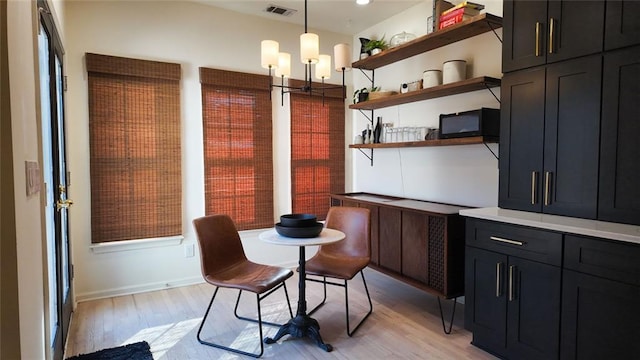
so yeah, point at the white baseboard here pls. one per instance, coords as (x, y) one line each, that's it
(128, 290)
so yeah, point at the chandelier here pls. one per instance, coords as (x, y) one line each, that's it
(272, 58)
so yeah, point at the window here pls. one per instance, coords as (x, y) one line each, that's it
(134, 125)
(317, 149)
(238, 153)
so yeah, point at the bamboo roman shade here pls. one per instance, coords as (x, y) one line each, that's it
(238, 153)
(134, 125)
(317, 149)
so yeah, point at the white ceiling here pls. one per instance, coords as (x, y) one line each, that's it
(341, 16)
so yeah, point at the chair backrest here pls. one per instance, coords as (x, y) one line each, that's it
(220, 244)
(355, 223)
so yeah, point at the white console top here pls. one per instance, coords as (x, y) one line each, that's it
(600, 229)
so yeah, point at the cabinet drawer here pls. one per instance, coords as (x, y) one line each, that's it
(605, 258)
(528, 243)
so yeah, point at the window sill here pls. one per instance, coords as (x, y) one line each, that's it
(126, 245)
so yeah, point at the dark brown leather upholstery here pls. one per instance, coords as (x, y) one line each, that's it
(225, 265)
(224, 262)
(344, 259)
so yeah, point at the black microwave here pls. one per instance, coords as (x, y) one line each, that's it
(482, 122)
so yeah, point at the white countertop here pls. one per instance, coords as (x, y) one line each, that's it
(595, 228)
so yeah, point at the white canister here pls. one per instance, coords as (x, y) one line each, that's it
(431, 78)
(454, 70)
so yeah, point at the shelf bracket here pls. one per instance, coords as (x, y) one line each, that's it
(492, 93)
(370, 78)
(370, 157)
(494, 154)
(494, 31)
(370, 118)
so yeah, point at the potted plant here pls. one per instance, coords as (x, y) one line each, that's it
(376, 46)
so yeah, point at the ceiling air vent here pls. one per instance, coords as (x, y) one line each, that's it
(280, 10)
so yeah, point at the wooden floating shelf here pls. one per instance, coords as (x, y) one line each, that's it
(458, 87)
(440, 142)
(466, 29)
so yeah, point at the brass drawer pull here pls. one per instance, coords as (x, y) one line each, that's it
(551, 26)
(534, 176)
(547, 185)
(498, 275)
(511, 286)
(513, 242)
(538, 39)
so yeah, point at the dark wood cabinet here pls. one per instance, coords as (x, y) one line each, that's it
(600, 318)
(540, 32)
(418, 242)
(415, 233)
(375, 232)
(550, 131)
(601, 288)
(622, 27)
(521, 139)
(512, 292)
(390, 224)
(571, 137)
(485, 300)
(619, 197)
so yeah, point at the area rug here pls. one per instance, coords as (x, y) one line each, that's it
(135, 351)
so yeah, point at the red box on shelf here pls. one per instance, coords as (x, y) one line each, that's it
(455, 16)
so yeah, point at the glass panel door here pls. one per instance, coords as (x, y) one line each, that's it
(59, 275)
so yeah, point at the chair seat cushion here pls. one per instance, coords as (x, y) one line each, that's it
(335, 266)
(249, 276)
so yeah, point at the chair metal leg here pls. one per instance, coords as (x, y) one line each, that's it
(346, 300)
(286, 293)
(453, 313)
(324, 284)
(259, 298)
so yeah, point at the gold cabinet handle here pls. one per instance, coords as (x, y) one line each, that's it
(508, 241)
(511, 286)
(551, 28)
(65, 204)
(534, 176)
(498, 276)
(547, 186)
(538, 26)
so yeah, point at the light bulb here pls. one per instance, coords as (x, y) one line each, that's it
(323, 68)
(284, 65)
(309, 48)
(342, 56)
(269, 53)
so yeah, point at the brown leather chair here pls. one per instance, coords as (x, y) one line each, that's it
(344, 259)
(224, 264)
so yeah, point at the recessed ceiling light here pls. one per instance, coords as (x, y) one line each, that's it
(362, 2)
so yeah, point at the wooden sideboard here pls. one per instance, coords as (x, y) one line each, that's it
(420, 243)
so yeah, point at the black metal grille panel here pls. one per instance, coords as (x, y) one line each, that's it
(436, 253)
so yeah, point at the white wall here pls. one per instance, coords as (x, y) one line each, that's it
(462, 175)
(194, 36)
(21, 35)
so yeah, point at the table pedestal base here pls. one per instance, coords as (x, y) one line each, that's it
(300, 326)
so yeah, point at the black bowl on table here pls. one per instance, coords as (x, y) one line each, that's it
(298, 220)
(299, 231)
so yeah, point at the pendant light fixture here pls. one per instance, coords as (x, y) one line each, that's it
(272, 58)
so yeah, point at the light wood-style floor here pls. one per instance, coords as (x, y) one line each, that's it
(405, 323)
